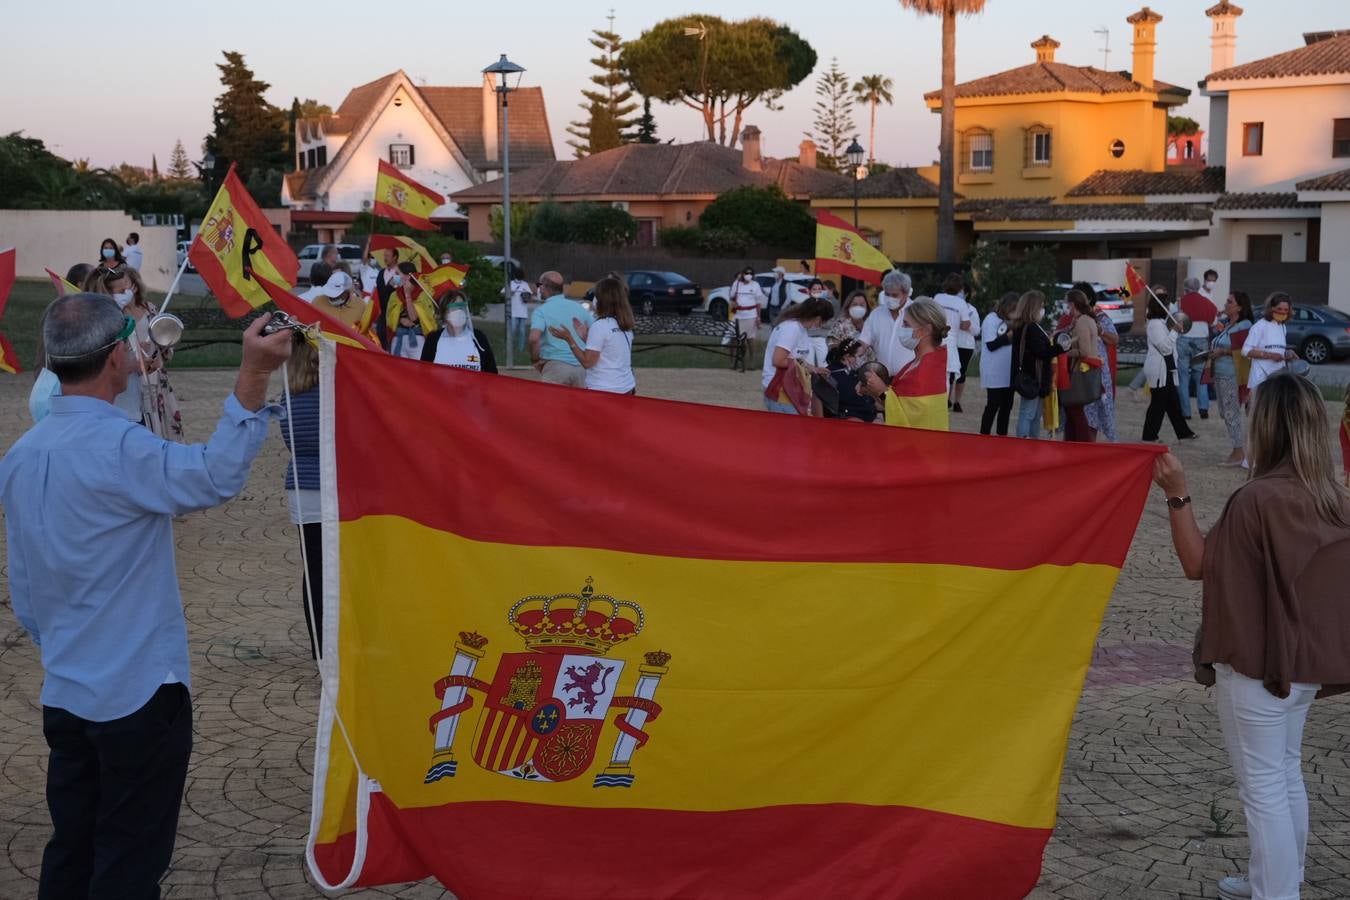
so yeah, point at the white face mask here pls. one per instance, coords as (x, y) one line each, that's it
(395, 280)
(123, 298)
(892, 303)
(815, 294)
(1040, 316)
(747, 278)
(457, 318)
(905, 335)
(858, 312)
(1209, 284)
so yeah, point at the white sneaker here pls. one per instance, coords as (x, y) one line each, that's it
(1235, 887)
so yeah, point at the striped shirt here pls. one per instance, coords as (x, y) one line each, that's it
(305, 422)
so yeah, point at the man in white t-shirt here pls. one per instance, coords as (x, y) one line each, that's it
(966, 336)
(370, 273)
(746, 299)
(132, 252)
(952, 299)
(878, 331)
(519, 332)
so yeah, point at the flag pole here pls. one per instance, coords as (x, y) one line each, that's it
(174, 286)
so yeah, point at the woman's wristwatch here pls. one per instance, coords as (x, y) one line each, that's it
(1179, 502)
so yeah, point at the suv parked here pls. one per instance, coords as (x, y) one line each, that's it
(717, 306)
(309, 255)
(1109, 300)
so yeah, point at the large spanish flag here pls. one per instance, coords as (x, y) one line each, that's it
(399, 197)
(842, 250)
(615, 683)
(235, 241)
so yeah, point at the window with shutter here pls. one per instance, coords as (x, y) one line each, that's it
(982, 152)
(323, 156)
(401, 155)
(1253, 138)
(1340, 137)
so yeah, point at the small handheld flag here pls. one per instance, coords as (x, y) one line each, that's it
(441, 277)
(401, 198)
(407, 249)
(9, 360)
(236, 245)
(842, 250)
(62, 286)
(329, 327)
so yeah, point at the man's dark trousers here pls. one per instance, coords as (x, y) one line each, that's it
(114, 790)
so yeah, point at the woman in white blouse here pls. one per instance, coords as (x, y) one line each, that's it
(607, 355)
(1160, 372)
(1267, 344)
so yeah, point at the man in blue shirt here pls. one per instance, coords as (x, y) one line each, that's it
(552, 356)
(89, 499)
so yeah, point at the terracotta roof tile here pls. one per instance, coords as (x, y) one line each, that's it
(1035, 211)
(1262, 200)
(460, 110)
(1224, 8)
(1105, 182)
(893, 184)
(1330, 56)
(701, 168)
(1054, 78)
(1334, 181)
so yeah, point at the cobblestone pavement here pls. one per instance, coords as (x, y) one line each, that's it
(1145, 778)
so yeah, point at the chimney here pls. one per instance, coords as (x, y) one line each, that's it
(750, 156)
(806, 153)
(491, 129)
(1145, 47)
(1045, 48)
(1222, 35)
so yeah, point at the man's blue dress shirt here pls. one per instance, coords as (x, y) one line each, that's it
(89, 500)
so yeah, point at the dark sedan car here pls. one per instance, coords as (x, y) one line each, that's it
(651, 291)
(1317, 333)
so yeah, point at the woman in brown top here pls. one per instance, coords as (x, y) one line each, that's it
(1082, 350)
(1275, 621)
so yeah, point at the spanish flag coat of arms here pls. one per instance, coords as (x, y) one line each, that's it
(618, 677)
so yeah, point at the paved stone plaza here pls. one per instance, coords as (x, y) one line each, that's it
(1145, 778)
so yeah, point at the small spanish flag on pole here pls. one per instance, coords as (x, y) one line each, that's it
(236, 244)
(62, 286)
(842, 250)
(400, 198)
(441, 277)
(328, 326)
(407, 249)
(9, 360)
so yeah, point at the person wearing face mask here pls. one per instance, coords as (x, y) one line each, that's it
(410, 317)
(1210, 285)
(878, 330)
(1031, 363)
(967, 336)
(110, 255)
(844, 361)
(1160, 369)
(778, 295)
(848, 326)
(1267, 345)
(386, 282)
(952, 299)
(1202, 313)
(520, 294)
(746, 299)
(1231, 368)
(457, 343)
(133, 251)
(918, 394)
(996, 365)
(149, 397)
(370, 273)
(788, 359)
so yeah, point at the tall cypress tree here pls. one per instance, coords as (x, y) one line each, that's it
(610, 106)
(645, 132)
(248, 131)
(834, 116)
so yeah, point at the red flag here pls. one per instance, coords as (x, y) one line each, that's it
(62, 286)
(407, 249)
(6, 276)
(309, 314)
(235, 246)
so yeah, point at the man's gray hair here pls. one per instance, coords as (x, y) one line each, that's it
(895, 280)
(1191, 285)
(78, 325)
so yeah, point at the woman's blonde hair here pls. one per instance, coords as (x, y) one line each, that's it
(99, 281)
(611, 301)
(1024, 311)
(302, 370)
(927, 312)
(1289, 425)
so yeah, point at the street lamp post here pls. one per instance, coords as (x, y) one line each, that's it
(855, 153)
(508, 75)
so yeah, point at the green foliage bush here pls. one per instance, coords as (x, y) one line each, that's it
(765, 215)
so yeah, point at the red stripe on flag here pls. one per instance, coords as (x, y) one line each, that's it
(934, 486)
(925, 380)
(402, 215)
(827, 266)
(785, 852)
(7, 270)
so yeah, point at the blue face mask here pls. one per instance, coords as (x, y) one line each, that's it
(109, 252)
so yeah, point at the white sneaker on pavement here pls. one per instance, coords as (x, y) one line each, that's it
(1235, 887)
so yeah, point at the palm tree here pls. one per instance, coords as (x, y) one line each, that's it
(948, 9)
(873, 89)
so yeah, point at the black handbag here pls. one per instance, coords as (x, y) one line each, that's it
(1027, 385)
(1084, 387)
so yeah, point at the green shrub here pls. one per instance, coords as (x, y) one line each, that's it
(765, 215)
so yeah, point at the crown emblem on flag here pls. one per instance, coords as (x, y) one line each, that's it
(576, 623)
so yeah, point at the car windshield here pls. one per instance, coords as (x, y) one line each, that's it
(349, 252)
(672, 277)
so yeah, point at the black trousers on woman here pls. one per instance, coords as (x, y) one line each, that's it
(311, 584)
(999, 403)
(1165, 401)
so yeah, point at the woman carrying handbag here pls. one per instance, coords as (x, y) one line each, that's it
(1160, 372)
(1085, 365)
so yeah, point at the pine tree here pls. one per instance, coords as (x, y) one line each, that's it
(609, 108)
(154, 168)
(834, 116)
(248, 130)
(645, 132)
(179, 167)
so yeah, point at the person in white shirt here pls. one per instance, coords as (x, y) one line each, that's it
(132, 251)
(952, 299)
(879, 330)
(746, 299)
(370, 274)
(1267, 344)
(519, 332)
(966, 338)
(790, 344)
(1210, 286)
(607, 354)
(778, 294)
(996, 365)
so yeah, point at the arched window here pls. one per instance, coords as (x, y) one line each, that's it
(1036, 150)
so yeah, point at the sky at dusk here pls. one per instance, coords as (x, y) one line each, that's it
(150, 78)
